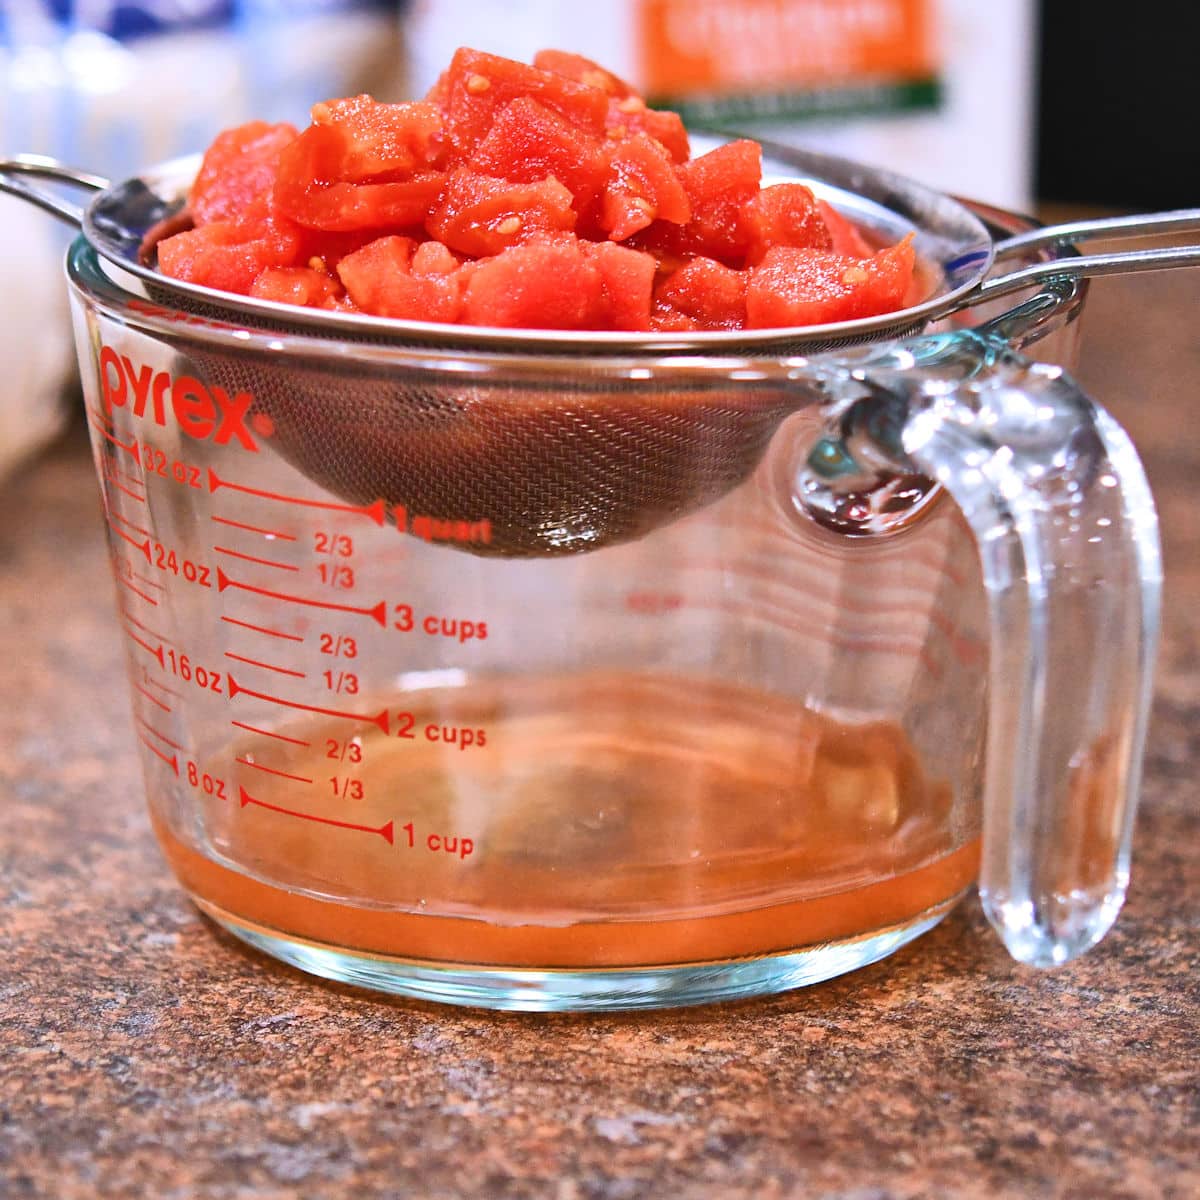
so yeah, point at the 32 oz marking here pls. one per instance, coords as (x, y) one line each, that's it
(155, 462)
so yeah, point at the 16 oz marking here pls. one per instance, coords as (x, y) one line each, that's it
(183, 668)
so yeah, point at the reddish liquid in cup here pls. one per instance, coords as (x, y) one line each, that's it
(606, 820)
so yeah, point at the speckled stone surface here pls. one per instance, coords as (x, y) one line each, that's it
(143, 1053)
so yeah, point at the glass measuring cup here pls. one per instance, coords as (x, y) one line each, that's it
(744, 751)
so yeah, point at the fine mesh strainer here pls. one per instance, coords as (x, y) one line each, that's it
(568, 441)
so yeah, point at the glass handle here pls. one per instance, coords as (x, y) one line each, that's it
(1068, 538)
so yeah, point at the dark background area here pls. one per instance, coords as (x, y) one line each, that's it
(1119, 102)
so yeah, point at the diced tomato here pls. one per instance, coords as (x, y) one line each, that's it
(629, 116)
(643, 187)
(229, 255)
(478, 85)
(238, 170)
(296, 285)
(528, 142)
(480, 216)
(794, 286)
(537, 286)
(382, 140)
(304, 191)
(719, 185)
(844, 235)
(380, 280)
(582, 70)
(626, 285)
(665, 319)
(713, 295)
(785, 214)
(432, 258)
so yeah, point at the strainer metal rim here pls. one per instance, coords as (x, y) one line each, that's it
(953, 245)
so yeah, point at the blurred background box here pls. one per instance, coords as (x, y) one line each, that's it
(116, 85)
(942, 90)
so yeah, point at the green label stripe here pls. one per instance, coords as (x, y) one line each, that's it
(838, 101)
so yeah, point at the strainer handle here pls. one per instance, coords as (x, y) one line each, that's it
(1068, 538)
(15, 174)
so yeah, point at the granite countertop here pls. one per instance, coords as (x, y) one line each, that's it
(144, 1053)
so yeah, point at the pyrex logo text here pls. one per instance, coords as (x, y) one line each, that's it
(200, 410)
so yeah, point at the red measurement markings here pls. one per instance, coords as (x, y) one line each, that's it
(136, 591)
(143, 547)
(144, 628)
(266, 562)
(377, 613)
(273, 533)
(162, 587)
(138, 496)
(291, 637)
(116, 516)
(172, 762)
(137, 687)
(384, 831)
(150, 681)
(130, 448)
(249, 762)
(153, 651)
(254, 662)
(162, 737)
(280, 737)
(380, 718)
(373, 512)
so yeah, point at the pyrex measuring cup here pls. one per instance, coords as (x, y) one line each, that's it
(743, 748)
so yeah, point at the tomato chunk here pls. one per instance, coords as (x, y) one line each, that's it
(303, 190)
(629, 116)
(643, 187)
(380, 279)
(529, 142)
(478, 85)
(582, 70)
(626, 285)
(382, 139)
(796, 286)
(238, 171)
(296, 285)
(785, 214)
(538, 286)
(481, 216)
(229, 255)
(719, 185)
(844, 235)
(713, 295)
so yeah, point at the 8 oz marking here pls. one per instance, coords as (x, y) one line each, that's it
(210, 785)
